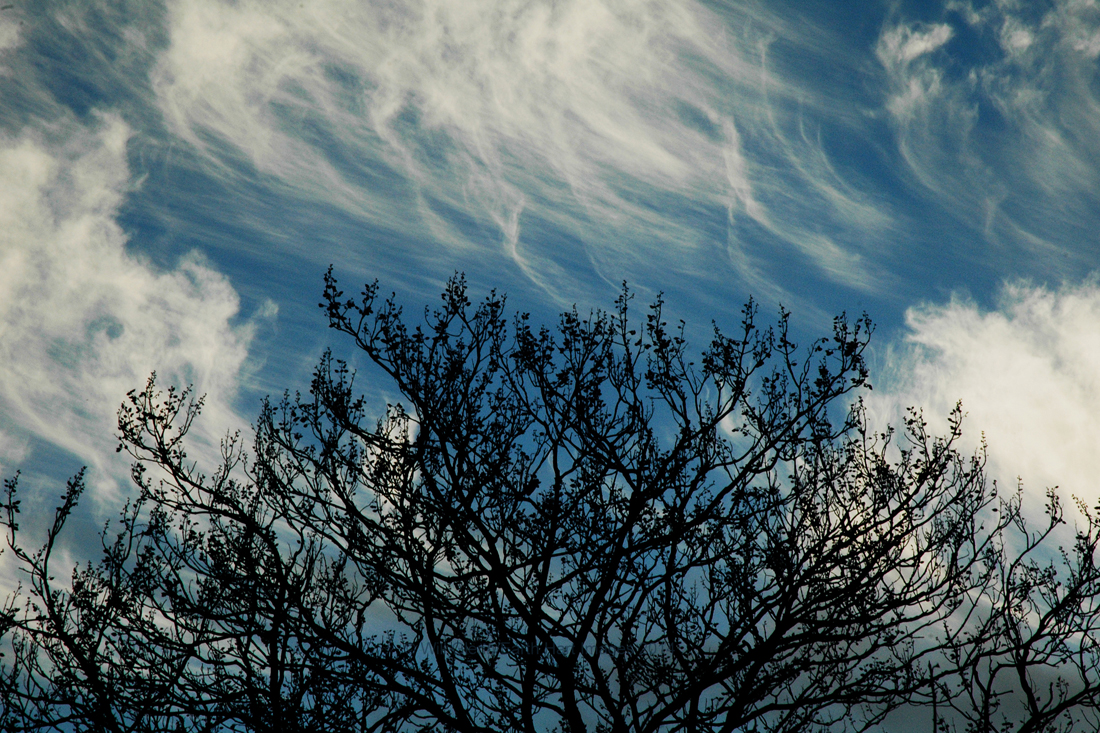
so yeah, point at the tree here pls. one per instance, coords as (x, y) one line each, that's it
(575, 530)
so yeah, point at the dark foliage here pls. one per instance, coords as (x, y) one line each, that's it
(574, 530)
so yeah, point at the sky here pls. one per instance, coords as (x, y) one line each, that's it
(176, 177)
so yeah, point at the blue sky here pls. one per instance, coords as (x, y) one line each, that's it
(176, 177)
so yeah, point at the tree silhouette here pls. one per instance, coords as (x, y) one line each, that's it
(577, 529)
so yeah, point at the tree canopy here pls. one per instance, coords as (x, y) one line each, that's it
(576, 528)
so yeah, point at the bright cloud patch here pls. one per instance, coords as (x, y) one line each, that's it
(1028, 375)
(9, 35)
(81, 320)
(9, 41)
(903, 44)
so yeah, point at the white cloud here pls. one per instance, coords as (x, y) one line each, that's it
(1028, 375)
(9, 34)
(1019, 128)
(82, 321)
(902, 44)
(1015, 36)
(577, 113)
(931, 116)
(9, 40)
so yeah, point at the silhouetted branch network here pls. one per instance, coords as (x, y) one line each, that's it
(571, 529)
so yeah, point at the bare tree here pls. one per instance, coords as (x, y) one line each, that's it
(575, 530)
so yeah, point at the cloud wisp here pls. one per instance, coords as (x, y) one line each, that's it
(83, 320)
(639, 130)
(996, 113)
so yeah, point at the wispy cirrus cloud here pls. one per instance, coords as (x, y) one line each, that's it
(613, 125)
(82, 319)
(997, 114)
